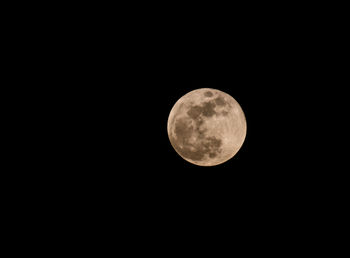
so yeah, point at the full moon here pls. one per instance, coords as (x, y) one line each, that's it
(206, 127)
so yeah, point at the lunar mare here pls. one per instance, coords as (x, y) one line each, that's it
(206, 127)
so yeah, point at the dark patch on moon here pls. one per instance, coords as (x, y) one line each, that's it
(212, 155)
(194, 112)
(208, 94)
(224, 113)
(214, 143)
(198, 150)
(196, 154)
(183, 131)
(201, 133)
(199, 121)
(208, 109)
(220, 101)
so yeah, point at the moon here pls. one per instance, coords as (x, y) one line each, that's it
(206, 127)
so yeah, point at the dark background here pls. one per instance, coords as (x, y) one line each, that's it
(108, 81)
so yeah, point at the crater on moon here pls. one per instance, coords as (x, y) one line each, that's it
(208, 94)
(220, 101)
(203, 132)
(224, 113)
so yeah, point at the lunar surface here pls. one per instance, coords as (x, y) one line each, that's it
(206, 127)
